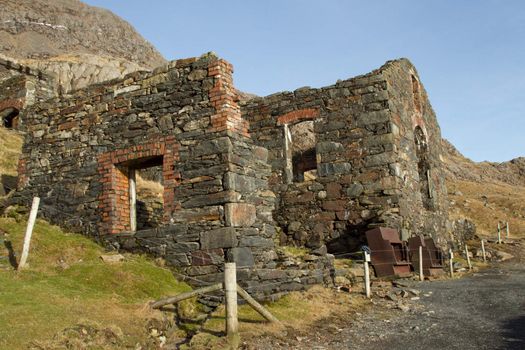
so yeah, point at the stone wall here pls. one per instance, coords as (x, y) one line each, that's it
(81, 149)
(365, 156)
(423, 204)
(309, 167)
(21, 86)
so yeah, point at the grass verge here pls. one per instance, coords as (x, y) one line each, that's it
(66, 284)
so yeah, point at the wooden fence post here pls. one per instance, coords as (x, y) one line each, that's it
(255, 305)
(451, 262)
(499, 233)
(29, 232)
(230, 290)
(468, 258)
(483, 250)
(183, 296)
(421, 277)
(367, 274)
(507, 228)
(133, 200)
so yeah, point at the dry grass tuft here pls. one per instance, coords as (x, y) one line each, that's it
(149, 188)
(298, 310)
(10, 148)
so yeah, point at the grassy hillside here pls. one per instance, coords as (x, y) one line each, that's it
(70, 299)
(486, 203)
(67, 285)
(486, 192)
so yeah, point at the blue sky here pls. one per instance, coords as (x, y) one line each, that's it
(470, 54)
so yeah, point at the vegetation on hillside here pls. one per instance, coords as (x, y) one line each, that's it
(487, 203)
(69, 298)
(67, 285)
(10, 149)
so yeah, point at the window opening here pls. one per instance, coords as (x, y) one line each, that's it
(304, 158)
(416, 93)
(145, 193)
(423, 166)
(10, 118)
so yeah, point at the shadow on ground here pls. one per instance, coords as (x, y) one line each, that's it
(514, 333)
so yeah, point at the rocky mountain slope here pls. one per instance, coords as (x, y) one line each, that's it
(75, 71)
(45, 28)
(486, 192)
(80, 44)
(459, 167)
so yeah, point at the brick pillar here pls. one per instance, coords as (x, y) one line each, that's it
(223, 97)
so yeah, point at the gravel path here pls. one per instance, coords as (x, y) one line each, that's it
(485, 310)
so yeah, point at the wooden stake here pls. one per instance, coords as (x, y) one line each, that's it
(29, 232)
(367, 274)
(421, 277)
(468, 258)
(173, 300)
(483, 250)
(288, 171)
(230, 290)
(499, 233)
(507, 228)
(256, 306)
(451, 263)
(132, 200)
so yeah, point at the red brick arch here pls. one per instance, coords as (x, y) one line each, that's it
(300, 114)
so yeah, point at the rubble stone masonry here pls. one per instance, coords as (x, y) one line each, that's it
(367, 164)
(310, 168)
(81, 148)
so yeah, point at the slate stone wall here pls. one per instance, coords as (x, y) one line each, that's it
(184, 116)
(424, 203)
(230, 189)
(21, 86)
(363, 151)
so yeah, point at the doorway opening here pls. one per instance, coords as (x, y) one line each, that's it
(303, 153)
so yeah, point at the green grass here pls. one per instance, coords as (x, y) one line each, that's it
(66, 282)
(67, 286)
(294, 251)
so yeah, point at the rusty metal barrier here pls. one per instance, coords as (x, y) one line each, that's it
(389, 254)
(432, 256)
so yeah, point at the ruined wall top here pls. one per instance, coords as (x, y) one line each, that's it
(12, 65)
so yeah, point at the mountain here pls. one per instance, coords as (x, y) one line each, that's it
(80, 44)
(40, 29)
(486, 192)
(459, 167)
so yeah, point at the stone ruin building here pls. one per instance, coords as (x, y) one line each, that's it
(20, 87)
(313, 167)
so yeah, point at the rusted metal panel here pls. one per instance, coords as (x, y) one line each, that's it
(389, 254)
(432, 255)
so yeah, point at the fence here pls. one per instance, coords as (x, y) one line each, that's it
(231, 290)
(367, 260)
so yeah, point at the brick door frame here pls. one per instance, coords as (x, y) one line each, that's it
(114, 202)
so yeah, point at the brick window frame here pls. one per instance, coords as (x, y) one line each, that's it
(288, 120)
(114, 200)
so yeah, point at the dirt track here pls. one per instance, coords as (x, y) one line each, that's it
(485, 310)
